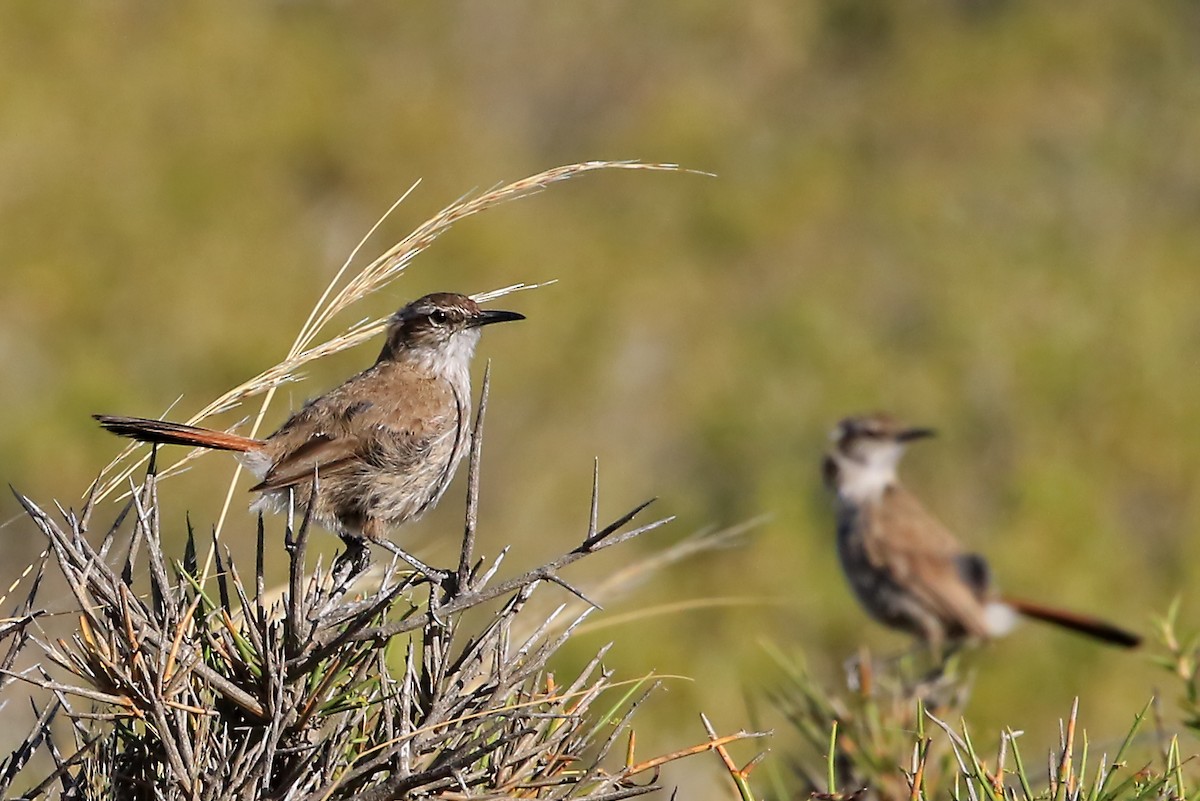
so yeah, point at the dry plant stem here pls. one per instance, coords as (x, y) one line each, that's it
(63, 765)
(459, 602)
(1064, 777)
(964, 754)
(296, 544)
(462, 594)
(94, 585)
(467, 553)
(225, 694)
(370, 279)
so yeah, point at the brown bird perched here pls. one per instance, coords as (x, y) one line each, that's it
(905, 567)
(383, 446)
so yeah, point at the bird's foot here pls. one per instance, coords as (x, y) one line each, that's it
(444, 580)
(441, 578)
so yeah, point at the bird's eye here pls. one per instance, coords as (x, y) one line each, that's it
(440, 317)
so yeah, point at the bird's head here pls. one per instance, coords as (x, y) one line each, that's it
(864, 453)
(441, 329)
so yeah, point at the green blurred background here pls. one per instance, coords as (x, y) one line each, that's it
(979, 215)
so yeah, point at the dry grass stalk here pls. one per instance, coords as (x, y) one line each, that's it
(340, 295)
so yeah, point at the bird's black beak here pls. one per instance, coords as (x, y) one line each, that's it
(489, 316)
(909, 434)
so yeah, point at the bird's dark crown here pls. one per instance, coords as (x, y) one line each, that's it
(855, 436)
(437, 309)
(868, 426)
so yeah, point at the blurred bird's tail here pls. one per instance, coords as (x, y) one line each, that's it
(1083, 624)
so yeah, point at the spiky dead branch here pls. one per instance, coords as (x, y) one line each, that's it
(180, 688)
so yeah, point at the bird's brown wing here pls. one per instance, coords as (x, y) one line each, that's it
(343, 431)
(323, 454)
(387, 448)
(924, 557)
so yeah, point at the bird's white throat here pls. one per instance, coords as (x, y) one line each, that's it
(452, 359)
(866, 479)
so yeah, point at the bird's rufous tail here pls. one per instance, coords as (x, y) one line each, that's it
(167, 433)
(1083, 624)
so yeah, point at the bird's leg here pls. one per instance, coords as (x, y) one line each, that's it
(440, 579)
(371, 531)
(944, 685)
(351, 564)
(937, 686)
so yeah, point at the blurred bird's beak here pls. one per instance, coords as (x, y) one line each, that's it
(489, 316)
(909, 434)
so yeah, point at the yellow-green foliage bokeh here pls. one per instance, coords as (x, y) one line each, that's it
(980, 215)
